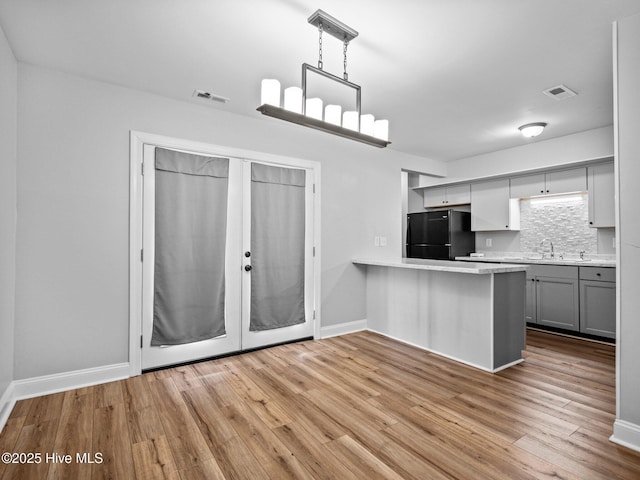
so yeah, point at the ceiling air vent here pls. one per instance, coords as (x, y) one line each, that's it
(209, 96)
(559, 92)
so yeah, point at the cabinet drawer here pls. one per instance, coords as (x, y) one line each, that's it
(553, 271)
(603, 274)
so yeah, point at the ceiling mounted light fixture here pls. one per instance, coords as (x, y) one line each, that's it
(532, 129)
(299, 109)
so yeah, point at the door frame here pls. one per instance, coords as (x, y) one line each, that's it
(136, 154)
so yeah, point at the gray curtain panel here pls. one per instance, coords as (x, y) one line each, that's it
(277, 247)
(190, 241)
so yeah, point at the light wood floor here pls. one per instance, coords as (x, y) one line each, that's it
(359, 406)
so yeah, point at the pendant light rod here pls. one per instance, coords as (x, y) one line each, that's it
(306, 67)
(332, 26)
(306, 121)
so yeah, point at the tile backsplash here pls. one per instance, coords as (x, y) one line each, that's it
(564, 220)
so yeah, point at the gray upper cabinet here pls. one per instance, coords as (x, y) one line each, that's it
(560, 181)
(565, 181)
(601, 195)
(449, 195)
(491, 207)
(527, 185)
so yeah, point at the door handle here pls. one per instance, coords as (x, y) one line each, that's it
(248, 268)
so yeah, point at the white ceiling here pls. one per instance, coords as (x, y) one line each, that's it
(455, 78)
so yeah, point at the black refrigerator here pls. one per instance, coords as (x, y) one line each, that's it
(442, 235)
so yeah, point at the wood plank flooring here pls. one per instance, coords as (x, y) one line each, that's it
(360, 406)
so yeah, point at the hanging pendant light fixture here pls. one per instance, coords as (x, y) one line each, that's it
(308, 112)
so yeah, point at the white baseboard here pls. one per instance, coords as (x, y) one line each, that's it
(343, 328)
(7, 401)
(440, 354)
(58, 382)
(626, 434)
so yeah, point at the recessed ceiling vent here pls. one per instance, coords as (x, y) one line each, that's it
(209, 96)
(559, 92)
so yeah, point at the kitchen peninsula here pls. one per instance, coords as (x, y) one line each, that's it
(469, 312)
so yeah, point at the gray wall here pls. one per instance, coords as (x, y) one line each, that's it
(628, 124)
(73, 196)
(8, 121)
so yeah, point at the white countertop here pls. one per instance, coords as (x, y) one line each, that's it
(442, 265)
(539, 261)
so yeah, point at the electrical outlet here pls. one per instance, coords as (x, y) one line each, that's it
(376, 241)
(383, 241)
(488, 242)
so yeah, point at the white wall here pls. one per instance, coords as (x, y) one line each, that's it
(628, 172)
(73, 197)
(8, 122)
(579, 147)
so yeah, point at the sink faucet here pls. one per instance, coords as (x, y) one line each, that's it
(550, 245)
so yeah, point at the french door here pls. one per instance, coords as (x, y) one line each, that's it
(227, 257)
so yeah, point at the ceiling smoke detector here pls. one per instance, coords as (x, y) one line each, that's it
(559, 92)
(209, 96)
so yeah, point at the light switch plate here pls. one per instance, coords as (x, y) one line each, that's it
(488, 242)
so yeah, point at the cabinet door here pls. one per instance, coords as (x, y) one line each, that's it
(458, 194)
(530, 300)
(527, 186)
(434, 197)
(598, 308)
(601, 196)
(490, 209)
(557, 302)
(565, 181)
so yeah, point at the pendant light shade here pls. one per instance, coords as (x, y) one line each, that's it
(270, 92)
(333, 114)
(293, 99)
(350, 120)
(314, 108)
(366, 124)
(381, 129)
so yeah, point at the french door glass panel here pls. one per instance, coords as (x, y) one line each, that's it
(239, 281)
(163, 354)
(190, 238)
(280, 229)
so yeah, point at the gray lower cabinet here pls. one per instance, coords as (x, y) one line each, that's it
(557, 302)
(598, 301)
(553, 296)
(530, 299)
(582, 299)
